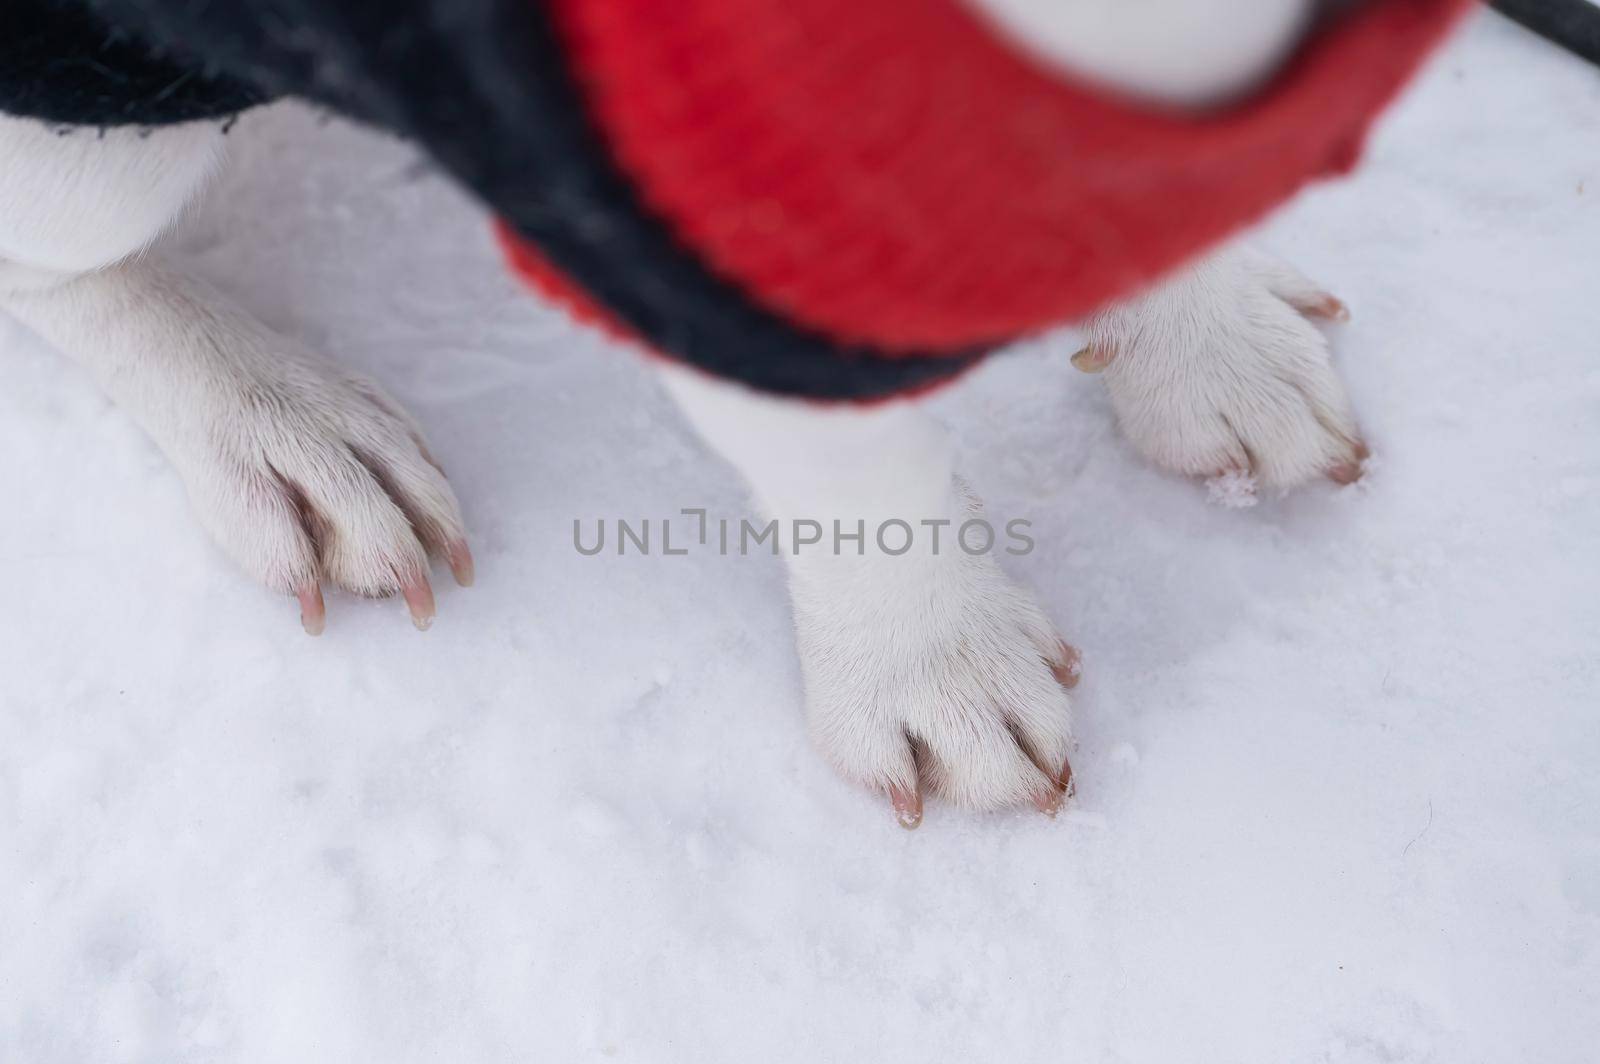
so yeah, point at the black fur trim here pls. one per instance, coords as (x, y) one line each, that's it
(61, 64)
(1573, 24)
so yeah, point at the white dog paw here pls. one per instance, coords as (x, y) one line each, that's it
(307, 474)
(941, 677)
(1219, 374)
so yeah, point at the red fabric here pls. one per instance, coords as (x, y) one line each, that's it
(890, 172)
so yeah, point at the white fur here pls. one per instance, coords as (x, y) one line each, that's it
(275, 445)
(76, 201)
(948, 650)
(1213, 370)
(940, 648)
(1217, 371)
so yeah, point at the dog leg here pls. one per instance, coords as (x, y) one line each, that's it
(301, 471)
(927, 669)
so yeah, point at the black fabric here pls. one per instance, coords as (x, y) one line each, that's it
(60, 63)
(1573, 24)
(482, 84)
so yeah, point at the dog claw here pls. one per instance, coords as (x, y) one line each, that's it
(907, 806)
(1068, 667)
(1092, 359)
(461, 565)
(1351, 471)
(1328, 308)
(1049, 802)
(1345, 473)
(313, 612)
(418, 594)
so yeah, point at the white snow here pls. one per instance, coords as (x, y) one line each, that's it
(1234, 489)
(1340, 767)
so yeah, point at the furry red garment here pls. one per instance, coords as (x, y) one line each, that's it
(893, 174)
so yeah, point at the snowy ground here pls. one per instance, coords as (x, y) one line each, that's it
(1340, 764)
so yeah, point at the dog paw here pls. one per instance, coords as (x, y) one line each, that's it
(1219, 373)
(942, 677)
(308, 475)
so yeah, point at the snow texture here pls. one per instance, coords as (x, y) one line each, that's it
(1339, 774)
